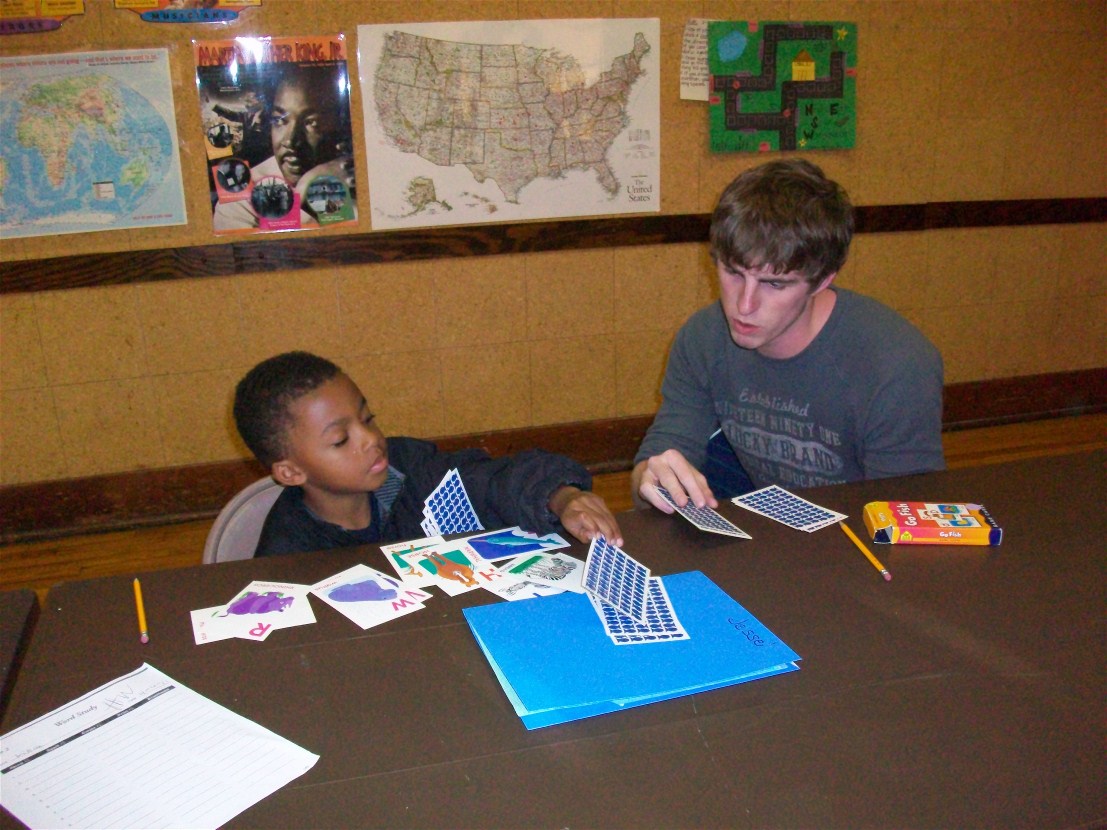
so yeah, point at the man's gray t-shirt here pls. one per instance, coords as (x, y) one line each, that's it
(863, 400)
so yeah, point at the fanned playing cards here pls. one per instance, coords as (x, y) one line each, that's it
(614, 576)
(448, 509)
(659, 625)
(632, 605)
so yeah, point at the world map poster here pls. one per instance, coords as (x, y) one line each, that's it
(782, 85)
(503, 121)
(88, 142)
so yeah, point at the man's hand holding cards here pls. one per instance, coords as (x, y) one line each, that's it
(703, 517)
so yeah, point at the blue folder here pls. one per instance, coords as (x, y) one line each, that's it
(557, 664)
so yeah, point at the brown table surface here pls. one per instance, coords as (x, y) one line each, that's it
(18, 613)
(967, 692)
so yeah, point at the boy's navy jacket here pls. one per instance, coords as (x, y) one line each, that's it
(505, 492)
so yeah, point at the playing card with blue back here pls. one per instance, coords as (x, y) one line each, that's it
(617, 578)
(448, 509)
(660, 626)
(787, 508)
(704, 517)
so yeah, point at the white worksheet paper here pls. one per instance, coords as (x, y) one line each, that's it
(142, 751)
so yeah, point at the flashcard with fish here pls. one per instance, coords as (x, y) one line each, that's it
(369, 597)
(410, 572)
(558, 570)
(453, 570)
(263, 607)
(509, 542)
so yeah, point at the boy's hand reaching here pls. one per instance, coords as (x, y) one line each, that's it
(585, 515)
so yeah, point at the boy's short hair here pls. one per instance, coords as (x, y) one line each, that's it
(263, 399)
(784, 214)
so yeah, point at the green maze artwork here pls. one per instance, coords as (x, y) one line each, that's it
(782, 86)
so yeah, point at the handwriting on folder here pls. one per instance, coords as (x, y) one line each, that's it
(142, 751)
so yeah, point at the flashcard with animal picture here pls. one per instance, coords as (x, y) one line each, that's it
(511, 541)
(212, 624)
(408, 572)
(263, 607)
(280, 604)
(558, 570)
(369, 597)
(452, 569)
(511, 588)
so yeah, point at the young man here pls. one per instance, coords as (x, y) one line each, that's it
(805, 384)
(346, 485)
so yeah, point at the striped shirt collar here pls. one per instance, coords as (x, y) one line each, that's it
(386, 494)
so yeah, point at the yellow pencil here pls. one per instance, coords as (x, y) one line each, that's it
(866, 551)
(143, 636)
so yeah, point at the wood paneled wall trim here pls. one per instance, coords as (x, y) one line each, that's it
(152, 497)
(308, 251)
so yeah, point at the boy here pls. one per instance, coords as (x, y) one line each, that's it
(799, 383)
(346, 485)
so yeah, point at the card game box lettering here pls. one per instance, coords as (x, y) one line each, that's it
(925, 523)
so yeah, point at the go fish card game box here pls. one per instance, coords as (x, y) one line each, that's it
(923, 523)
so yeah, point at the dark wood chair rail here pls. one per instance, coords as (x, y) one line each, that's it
(308, 251)
(160, 496)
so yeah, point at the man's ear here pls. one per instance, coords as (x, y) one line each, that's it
(824, 284)
(287, 473)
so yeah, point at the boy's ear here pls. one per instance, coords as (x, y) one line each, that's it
(286, 473)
